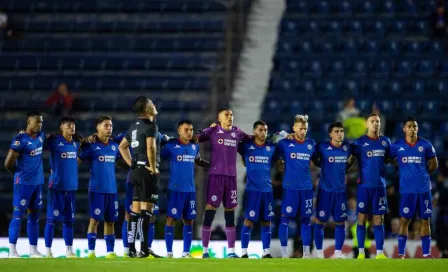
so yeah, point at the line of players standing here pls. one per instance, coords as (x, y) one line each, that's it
(415, 157)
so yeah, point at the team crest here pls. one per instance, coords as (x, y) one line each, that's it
(289, 209)
(174, 211)
(252, 213)
(310, 147)
(16, 143)
(113, 148)
(361, 205)
(233, 134)
(384, 143)
(406, 210)
(193, 147)
(97, 211)
(56, 212)
(344, 148)
(23, 202)
(420, 148)
(268, 148)
(220, 141)
(322, 213)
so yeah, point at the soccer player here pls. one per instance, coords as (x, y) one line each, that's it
(145, 160)
(24, 161)
(332, 157)
(102, 156)
(416, 159)
(183, 155)
(222, 186)
(371, 151)
(128, 205)
(62, 184)
(258, 156)
(297, 185)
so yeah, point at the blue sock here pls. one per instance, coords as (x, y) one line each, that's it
(266, 236)
(378, 233)
(245, 236)
(283, 231)
(402, 244)
(339, 234)
(426, 244)
(49, 233)
(305, 231)
(361, 235)
(169, 237)
(124, 233)
(319, 236)
(14, 229)
(68, 233)
(188, 236)
(151, 231)
(91, 238)
(32, 228)
(110, 242)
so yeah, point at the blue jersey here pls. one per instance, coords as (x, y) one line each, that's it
(333, 162)
(412, 161)
(102, 165)
(63, 162)
(182, 157)
(371, 155)
(29, 169)
(297, 156)
(258, 160)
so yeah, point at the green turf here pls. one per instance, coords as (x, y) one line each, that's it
(218, 265)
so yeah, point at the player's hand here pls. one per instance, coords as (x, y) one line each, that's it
(153, 171)
(290, 136)
(213, 125)
(22, 132)
(194, 140)
(92, 138)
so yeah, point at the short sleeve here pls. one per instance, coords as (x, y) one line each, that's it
(165, 153)
(128, 135)
(120, 137)
(430, 152)
(17, 143)
(152, 131)
(241, 148)
(163, 138)
(198, 155)
(355, 148)
(393, 150)
(243, 135)
(205, 134)
(281, 149)
(84, 153)
(48, 143)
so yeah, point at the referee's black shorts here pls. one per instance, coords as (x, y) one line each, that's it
(145, 185)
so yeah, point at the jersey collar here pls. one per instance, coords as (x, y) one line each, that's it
(412, 145)
(180, 142)
(373, 139)
(258, 144)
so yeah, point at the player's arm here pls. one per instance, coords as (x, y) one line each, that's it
(83, 152)
(351, 161)
(10, 161)
(120, 162)
(203, 135)
(125, 152)
(201, 162)
(151, 153)
(432, 164)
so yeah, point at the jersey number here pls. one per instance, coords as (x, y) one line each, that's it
(134, 142)
(233, 194)
(308, 203)
(192, 203)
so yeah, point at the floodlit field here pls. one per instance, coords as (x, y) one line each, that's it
(218, 265)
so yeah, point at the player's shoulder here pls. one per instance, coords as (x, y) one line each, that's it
(311, 141)
(385, 138)
(361, 139)
(270, 143)
(171, 142)
(425, 141)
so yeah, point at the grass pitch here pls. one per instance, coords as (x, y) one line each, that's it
(221, 265)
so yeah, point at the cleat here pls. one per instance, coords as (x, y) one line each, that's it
(142, 255)
(170, 256)
(320, 254)
(91, 255)
(245, 256)
(361, 256)
(306, 256)
(71, 255)
(267, 256)
(428, 257)
(36, 255)
(381, 257)
(340, 256)
(130, 254)
(111, 255)
(151, 252)
(188, 256)
(13, 255)
(285, 257)
(401, 256)
(232, 256)
(49, 256)
(205, 256)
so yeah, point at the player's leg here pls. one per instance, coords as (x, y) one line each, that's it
(407, 211)
(174, 212)
(323, 208)
(149, 197)
(189, 215)
(33, 220)
(110, 217)
(306, 211)
(339, 217)
(290, 205)
(54, 209)
(252, 204)
(21, 199)
(137, 191)
(127, 211)
(215, 189)
(363, 196)
(379, 208)
(152, 231)
(230, 202)
(425, 213)
(68, 220)
(96, 214)
(266, 217)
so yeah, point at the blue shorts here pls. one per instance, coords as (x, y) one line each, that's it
(128, 200)
(334, 204)
(182, 205)
(372, 200)
(411, 203)
(297, 203)
(103, 205)
(61, 205)
(259, 205)
(27, 197)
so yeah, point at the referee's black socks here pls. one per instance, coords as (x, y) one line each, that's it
(132, 230)
(143, 229)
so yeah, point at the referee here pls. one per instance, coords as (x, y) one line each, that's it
(142, 137)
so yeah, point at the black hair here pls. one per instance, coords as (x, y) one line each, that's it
(373, 114)
(188, 122)
(223, 109)
(33, 113)
(67, 120)
(335, 125)
(409, 119)
(259, 123)
(102, 119)
(139, 105)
